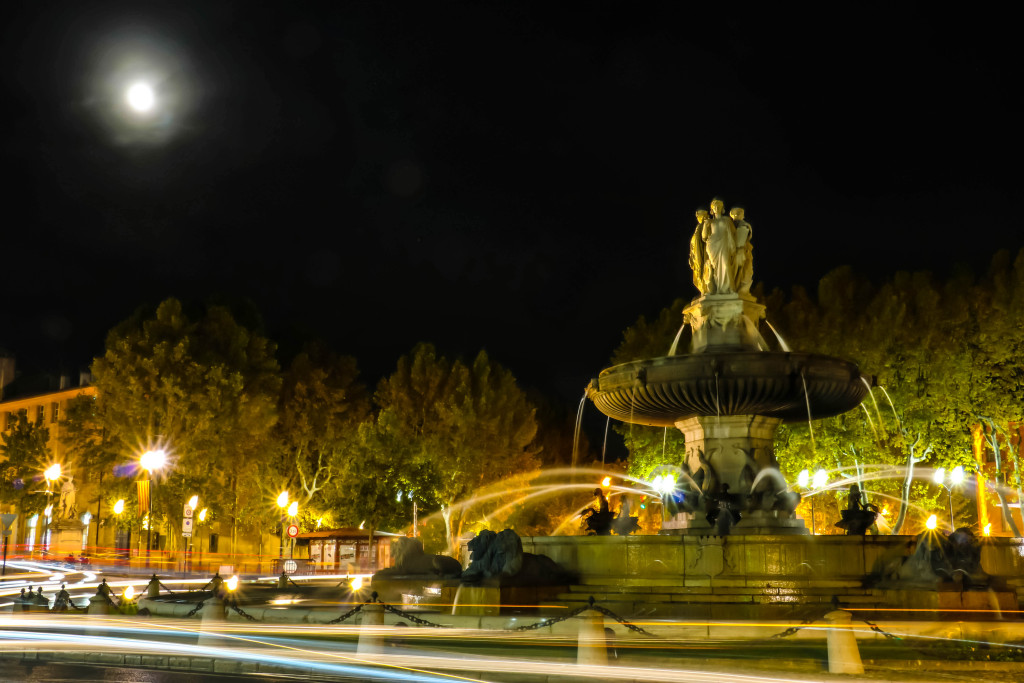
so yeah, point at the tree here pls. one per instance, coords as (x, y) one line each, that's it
(25, 457)
(321, 408)
(206, 390)
(88, 446)
(457, 426)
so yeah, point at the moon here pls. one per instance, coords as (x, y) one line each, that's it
(140, 97)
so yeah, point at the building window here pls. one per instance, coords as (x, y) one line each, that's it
(40, 413)
(54, 411)
(213, 542)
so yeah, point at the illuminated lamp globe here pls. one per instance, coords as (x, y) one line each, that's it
(153, 460)
(356, 583)
(52, 472)
(820, 479)
(939, 476)
(282, 500)
(293, 509)
(119, 507)
(803, 479)
(606, 482)
(202, 515)
(140, 97)
(129, 593)
(932, 523)
(987, 531)
(193, 502)
(956, 475)
(232, 583)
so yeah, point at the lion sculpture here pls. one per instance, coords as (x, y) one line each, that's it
(500, 556)
(410, 560)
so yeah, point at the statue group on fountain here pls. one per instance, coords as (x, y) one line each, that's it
(721, 254)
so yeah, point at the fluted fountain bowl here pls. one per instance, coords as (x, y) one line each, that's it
(662, 391)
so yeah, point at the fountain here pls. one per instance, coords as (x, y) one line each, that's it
(729, 394)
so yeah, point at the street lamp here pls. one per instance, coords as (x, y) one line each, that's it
(202, 518)
(293, 512)
(282, 502)
(956, 477)
(151, 460)
(51, 474)
(191, 506)
(805, 481)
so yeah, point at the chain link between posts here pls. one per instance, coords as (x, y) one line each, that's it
(591, 604)
(195, 609)
(346, 615)
(242, 612)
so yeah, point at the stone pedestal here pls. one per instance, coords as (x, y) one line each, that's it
(725, 322)
(736, 451)
(66, 537)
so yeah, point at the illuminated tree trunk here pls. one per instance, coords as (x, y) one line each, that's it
(912, 459)
(993, 441)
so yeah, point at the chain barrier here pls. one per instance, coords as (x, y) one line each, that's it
(405, 615)
(877, 629)
(195, 609)
(242, 612)
(793, 629)
(550, 621)
(346, 615)
(164, 586)
(632, 627)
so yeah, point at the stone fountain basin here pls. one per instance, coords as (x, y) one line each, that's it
(660, 392)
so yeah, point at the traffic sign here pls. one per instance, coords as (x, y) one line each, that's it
(188, 510)
(187, 534)
(293, 531)
(186, 524)
(6, 520)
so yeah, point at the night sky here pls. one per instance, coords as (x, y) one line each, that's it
(517, 177)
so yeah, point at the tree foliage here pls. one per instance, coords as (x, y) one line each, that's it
(453, 427)
(25, 456)
(205, 390)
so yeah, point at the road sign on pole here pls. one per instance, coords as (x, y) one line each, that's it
(186, 525)
(293, 531)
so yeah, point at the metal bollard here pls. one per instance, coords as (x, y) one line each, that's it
(843, 654)
(371, 638)
(591, 646)
(282, 581)
(153, 588)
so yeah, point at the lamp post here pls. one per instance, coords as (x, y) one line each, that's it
(202, 518)
(282, 502)
(956, 477)
(51, 474)
(151, 460)
(191, 506)
(293, 512)
(805, 481)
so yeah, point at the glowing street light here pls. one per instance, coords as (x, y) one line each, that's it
(128, 593)
(282, 502)
(151, 460)
(293, 509)
(232, 583)
(119, 506)
(956, 477)
(820, 479)
(52, 472)
(987, 531)
(202, 515)
(193, 502)
(606, 482)
(803, 480)
(932, 523)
